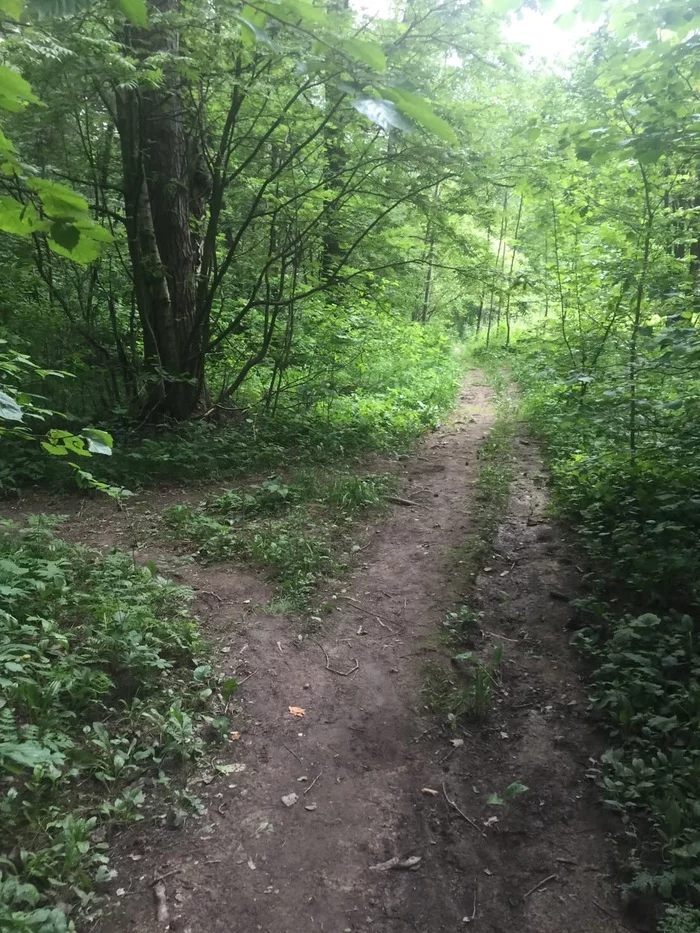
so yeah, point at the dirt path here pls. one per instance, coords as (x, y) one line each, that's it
(369, 746)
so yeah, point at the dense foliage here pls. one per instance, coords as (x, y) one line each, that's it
(101, 693)
(607, 356)
(239, 238)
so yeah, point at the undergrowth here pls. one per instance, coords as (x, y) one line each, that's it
(381, 404)
(299, 528)
(637, 513)
(105, 683)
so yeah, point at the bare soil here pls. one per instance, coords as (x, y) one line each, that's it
(367, 751)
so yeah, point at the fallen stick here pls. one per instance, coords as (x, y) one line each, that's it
(383, 621)
(334, 670)
(461, 812)
(539, 884)
(312, 783)
(167, 874)
(293, 753)
(604, 909)
(399, 500)
(252, 674)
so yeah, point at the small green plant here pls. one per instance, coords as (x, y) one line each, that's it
(680, 920)
(463, 694)
(103, 690)
(299, 528)
(512, 792)
(460, 627)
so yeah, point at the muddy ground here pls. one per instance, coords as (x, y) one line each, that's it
(376, 774)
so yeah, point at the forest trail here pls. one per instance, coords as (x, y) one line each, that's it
(367, 748)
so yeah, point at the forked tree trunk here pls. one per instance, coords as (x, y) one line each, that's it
(165, 197)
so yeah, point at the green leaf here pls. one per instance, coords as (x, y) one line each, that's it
(101, 732)
(64, 234)
(135, 11)
(9, 409)
(418, 110)
(382, 112)
(85, 252)
(11, 8)
(228, 688)
(59, 201)
(362, 50)
(17, 218)
(54, 449)
(29, 754)
(99, 442)
(515, 790)
(495, 800)
(15, 92)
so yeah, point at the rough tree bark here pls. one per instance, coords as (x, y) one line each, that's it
(165, 197)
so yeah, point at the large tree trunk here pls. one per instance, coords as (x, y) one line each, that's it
(165, 194)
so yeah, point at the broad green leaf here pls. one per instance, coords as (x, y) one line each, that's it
(9, 409)
(416, 109)
(85, 252)
(361, 50)
(382, 112)
(6, 145)
(59, 201)
(15, 92)
(135, 11)
(11, 8)
(64, 234)
(101, 732)
(54, 449)
(29, 754)
(17, 218)
(99, 442)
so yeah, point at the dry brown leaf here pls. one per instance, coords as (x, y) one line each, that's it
(297, 711)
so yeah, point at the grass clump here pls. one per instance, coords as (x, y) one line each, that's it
(102, 689)
(299, 528)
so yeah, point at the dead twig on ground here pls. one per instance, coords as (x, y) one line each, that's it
(399, 500)
(312, 783)
(454, 806)
(252, 674)
(166, 874)
(293, 753)
(449, 754)
(209, 593)
(383, 621)
(495, 635)
(539, 884)
(604, 909)
(334, 670)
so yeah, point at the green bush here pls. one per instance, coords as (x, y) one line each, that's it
(101, 694)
